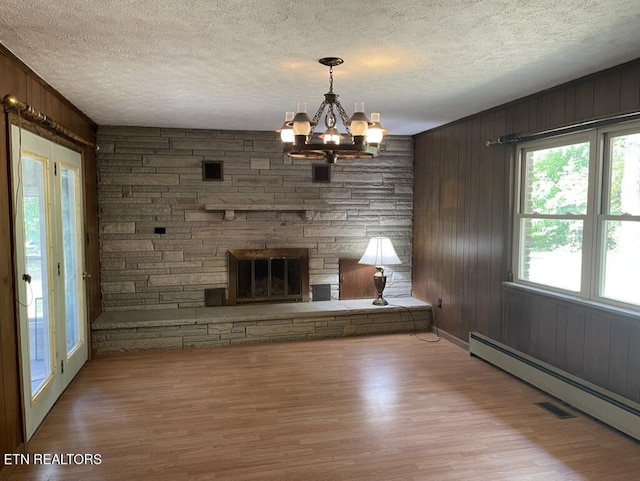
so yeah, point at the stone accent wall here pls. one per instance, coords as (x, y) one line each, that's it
(152, 177)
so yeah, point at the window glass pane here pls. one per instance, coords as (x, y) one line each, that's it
(551, 252)
(621, 279)
(69, 203)
(556, 180)
(39, 308)
(624, 187)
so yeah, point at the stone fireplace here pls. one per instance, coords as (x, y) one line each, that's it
(268, 275)
(165, 233)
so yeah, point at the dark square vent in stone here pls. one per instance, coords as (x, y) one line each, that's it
(321, 173)
(215, 297)
(212, 170)
(321, 292)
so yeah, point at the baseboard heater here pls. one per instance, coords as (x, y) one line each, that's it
(608, 407)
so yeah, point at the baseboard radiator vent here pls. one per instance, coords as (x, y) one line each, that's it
(555, 410)
(604, 405)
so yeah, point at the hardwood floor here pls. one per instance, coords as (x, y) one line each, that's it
(385, 408)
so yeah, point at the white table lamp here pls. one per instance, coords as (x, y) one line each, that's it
(379, 253)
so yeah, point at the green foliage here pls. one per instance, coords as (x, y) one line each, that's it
(32, 224)
(558, 184)
(617, 175)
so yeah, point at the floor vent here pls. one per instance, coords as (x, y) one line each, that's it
(555, 410)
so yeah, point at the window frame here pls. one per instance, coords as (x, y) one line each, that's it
(594, 220)
(603, 214)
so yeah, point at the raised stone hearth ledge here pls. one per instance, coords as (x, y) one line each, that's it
(119, 331)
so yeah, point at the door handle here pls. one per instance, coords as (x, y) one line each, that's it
(85, 276)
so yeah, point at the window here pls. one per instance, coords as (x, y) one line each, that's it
(577, 219)
(620, 220)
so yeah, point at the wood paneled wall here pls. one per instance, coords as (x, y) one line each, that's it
(17, 79)
(595, 344)
(462, 195)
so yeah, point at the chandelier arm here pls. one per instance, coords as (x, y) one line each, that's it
(316, 117)
(343, 116)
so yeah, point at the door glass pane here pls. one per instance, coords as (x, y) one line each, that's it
(556, 180)
(261, 280)
(624, 187)
(551, 252)
(294, 285)
(36, 252)
(277, 277)
(621, 280)
(245, 276)
(72, 265)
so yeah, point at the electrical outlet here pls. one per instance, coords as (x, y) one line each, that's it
(439, 302)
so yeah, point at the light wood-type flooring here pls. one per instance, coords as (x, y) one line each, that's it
(380, 408)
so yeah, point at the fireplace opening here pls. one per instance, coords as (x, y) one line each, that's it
(268, 275)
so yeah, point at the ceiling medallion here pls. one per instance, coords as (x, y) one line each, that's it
(364, 135)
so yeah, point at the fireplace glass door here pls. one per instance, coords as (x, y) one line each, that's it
(268, 275)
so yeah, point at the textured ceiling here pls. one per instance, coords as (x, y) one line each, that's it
(239, 64)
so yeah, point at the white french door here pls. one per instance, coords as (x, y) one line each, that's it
(47, 180)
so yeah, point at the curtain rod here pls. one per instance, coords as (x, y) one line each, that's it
(589, 124)
(12, 102)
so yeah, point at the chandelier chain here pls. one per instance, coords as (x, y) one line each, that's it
(344, 117)
(316, 117)
(331, 79)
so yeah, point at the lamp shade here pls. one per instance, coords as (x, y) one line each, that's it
(380, 252)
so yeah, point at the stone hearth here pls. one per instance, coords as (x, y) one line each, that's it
(229, 325)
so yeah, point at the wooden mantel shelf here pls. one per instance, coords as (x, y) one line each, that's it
(306, 210)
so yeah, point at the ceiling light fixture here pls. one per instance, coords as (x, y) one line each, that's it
(297, 132)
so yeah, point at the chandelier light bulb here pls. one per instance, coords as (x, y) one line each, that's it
(286, 131)
(301, 122)
(331, 136)
(375, 132)
(359, 122)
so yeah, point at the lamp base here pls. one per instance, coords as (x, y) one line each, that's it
(380, 301)
(380, 281)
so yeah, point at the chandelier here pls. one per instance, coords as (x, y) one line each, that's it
(298, 131)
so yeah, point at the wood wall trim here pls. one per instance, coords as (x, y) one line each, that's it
(5, 471)
(36, 78)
